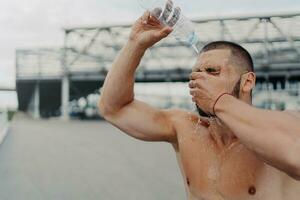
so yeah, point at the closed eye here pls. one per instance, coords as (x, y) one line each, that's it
(212, 70)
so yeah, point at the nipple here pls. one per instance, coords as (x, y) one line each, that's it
(188, 181)
(252, 190)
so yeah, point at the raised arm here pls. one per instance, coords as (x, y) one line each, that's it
(117, 103)
(273, 135)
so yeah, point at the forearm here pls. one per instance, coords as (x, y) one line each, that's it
(118, 88)
(273, 135)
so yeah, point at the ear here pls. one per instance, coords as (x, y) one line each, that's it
(248, 82)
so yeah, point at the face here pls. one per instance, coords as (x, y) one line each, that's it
(217, 63)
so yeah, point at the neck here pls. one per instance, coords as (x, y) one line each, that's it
(220, 133)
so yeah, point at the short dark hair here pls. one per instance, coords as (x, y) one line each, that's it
(240, 54)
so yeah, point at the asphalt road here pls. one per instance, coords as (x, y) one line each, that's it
(84, 160)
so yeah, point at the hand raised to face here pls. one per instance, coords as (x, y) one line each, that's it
(212, 76)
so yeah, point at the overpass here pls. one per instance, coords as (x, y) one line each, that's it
(47, 78)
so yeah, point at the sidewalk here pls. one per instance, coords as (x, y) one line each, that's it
(84, 160)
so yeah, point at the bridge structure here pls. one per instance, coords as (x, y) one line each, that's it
(48, 78)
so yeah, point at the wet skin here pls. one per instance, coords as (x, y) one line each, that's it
(212, 171)
(214, 163)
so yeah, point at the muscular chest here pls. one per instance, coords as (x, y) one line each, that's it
(233, 173)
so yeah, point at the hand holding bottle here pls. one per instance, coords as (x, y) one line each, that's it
(148, 30)
(168, 14)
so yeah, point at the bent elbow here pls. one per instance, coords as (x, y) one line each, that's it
(106, 110)
(103, 109)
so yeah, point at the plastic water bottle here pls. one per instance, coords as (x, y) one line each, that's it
(171, 15)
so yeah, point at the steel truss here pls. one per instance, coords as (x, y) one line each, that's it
(272, 40)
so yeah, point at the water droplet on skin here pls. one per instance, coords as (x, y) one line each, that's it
(199, 136)
(199, 121)
(212, 172)
(181, 139)
(197, 126)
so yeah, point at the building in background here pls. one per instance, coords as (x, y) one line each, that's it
(62, 81)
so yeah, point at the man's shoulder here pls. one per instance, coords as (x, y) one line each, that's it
(180, 115)
(180, 112)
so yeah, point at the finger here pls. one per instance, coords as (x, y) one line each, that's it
(193, 75)
(164, 32)
(192, 84)
(195, 84)
(197, 75)
(198, 83)
(145, 16)
(156, 12)
(167, 11)
(175, 17)
(194, 99)
(194, 92)
(153, 21)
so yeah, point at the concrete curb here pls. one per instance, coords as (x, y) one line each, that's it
(3, 133)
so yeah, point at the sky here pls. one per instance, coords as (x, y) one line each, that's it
(39, 23)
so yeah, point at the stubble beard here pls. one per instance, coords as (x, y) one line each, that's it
(235, 92)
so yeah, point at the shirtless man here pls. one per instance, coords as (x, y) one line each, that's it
(238, 153)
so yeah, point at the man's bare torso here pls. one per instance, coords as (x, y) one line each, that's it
(233, 172)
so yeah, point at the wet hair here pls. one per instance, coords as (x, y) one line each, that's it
(241, 57)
